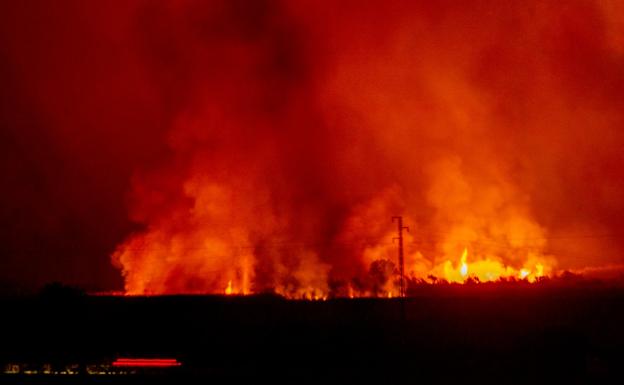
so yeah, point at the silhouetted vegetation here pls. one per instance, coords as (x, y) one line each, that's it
(59, 291)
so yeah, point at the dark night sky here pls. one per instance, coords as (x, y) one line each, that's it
(97, 97)
(77, 116)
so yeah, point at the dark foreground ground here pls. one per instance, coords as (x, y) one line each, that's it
(478, 334)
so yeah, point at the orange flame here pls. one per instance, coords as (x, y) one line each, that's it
(489, 270)
(463, 270)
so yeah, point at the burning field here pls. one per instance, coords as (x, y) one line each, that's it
(312, 191)
(234, 147)
(300, 129)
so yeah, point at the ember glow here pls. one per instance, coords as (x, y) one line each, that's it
(300, 129)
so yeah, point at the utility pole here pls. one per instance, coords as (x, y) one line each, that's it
(401, 261)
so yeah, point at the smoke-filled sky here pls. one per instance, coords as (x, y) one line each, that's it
(187, 146)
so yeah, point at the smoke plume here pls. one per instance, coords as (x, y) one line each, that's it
(305, 128)
(288, 134)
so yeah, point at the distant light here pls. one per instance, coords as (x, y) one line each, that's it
(147, 362)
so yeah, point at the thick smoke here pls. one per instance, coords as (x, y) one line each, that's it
(294, 131)
(305, 128)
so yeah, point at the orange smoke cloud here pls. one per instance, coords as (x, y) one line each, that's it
(301, 129)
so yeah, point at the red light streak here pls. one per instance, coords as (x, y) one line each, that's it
(147, 362)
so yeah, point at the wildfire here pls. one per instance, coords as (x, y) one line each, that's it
(283, 171)
(489, 270)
